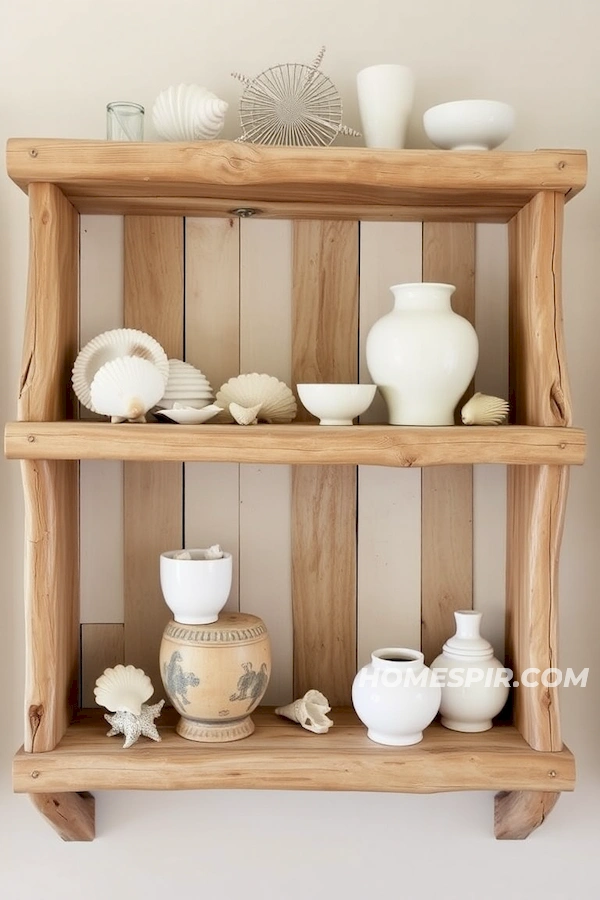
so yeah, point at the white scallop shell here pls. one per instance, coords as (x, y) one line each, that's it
(187, 385)
(113, 345)
(310, 711)
(188, 112)
(123, 688)
(482, 409)
(188, 415)
(126, 388)
(277, 403)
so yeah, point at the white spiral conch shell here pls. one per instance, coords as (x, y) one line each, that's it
(275, 400)
(482, 409)
(186, 387)
(112, 345)
(188, 112)
(309, 711)
(123, 689)
(126, 388)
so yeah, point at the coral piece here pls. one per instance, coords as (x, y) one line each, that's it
(188, 112)
(482, 409)
(275, 399)
(123, 689)
(293, 104)
(133, 726)
(126, 388)
(310, 711)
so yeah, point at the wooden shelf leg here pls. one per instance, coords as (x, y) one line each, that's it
(518, 813)
(71, 815)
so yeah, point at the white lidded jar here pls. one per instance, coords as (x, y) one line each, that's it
(474, 682)
(395, 696)
(422, 355)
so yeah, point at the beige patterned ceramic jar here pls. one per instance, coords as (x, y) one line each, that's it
(216, 674)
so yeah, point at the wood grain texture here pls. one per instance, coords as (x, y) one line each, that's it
(324, 348)
(152, 492)
(518, 813)
(102, 646)
(281, 756)
(72, 815)
(537, 496)
(447, 494)
(302, 444)
(346, 175)
(50, 488)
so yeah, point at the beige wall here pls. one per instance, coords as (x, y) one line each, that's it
(60, 63)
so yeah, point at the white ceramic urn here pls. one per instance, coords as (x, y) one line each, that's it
(422, 355)
(395, 696)
(474, 682)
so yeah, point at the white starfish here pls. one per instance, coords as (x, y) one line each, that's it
(133, 726)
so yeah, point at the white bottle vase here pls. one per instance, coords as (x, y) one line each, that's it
(473, 691)
(395, 697)
(422, 355)
(385, 99)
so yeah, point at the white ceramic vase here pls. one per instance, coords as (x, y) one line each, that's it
(385, 99)
(196, 589)
(395, 696)
(473, 689)
(422, 355)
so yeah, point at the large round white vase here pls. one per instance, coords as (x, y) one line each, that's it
(422, 355)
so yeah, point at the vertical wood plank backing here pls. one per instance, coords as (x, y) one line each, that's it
(389, 500)
(265, 491)
(50, 487)
(152, 492)
(447, 492)
(536, 494)
(324, 349)
(102, 646)
(212, 343)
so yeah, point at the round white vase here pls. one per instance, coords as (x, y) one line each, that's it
(395, 696)
(196, 589)
(385, 100)
(422, 355)
(473, 689)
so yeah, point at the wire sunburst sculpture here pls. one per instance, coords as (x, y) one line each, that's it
(293, 104)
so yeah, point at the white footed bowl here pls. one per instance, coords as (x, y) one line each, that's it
(336, 404)
(196, 589)
(469, 124)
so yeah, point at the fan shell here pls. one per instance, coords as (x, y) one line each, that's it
(188, 112)
(112, 345)
(123, 689)
(276, 401)
(186, 385)
(126, 388)
(483, 409)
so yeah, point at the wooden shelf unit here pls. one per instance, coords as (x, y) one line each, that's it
(65, 752)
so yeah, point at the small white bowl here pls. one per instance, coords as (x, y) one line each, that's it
(469, 124)
(196, 589)
(336, 404)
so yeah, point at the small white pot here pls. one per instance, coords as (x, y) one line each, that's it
(395, 696)
(472, 691)
(385, 99)
(196, 589)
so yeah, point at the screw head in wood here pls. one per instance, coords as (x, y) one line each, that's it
(244, 212)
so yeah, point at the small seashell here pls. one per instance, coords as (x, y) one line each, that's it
(214, 552)
(309, 711)
(113, 345)
(126, 388)
(186, 386)
(188, 112)
(482, 409)
(275, 399)
(183, 554)
(244, 415)
(123, 689)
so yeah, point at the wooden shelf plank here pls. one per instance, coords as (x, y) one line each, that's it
(297, 444)
(334, 179)
(281, 756)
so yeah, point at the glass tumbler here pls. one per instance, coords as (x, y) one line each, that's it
(124, 121)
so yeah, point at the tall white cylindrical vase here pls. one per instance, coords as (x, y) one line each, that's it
(385, 100)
